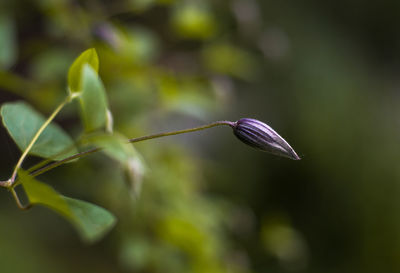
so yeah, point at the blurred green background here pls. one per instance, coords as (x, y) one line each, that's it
(324, 74)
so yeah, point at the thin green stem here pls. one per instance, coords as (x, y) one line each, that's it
(217, 123)
(35, 138)
(63, 161)
(53, 158)
(132, 140)
(18, 201)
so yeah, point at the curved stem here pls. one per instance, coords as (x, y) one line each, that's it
(18, 201)
(132, 140)
(35, 138)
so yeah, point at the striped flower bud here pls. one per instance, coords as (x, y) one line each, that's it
(260, 136)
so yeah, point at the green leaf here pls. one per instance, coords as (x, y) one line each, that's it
(8, 45)
(75, 71)
(40, 193)
(91, 221)
(22, 123)
(93, 101)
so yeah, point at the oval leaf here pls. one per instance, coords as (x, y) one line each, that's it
(41, 193)
(75, 71)
(91, 221)
(93, 101)
(22, 123)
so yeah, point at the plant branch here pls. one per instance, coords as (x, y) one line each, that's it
(35, 138)
(132, 140)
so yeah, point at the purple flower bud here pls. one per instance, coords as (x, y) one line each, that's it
(260, 136)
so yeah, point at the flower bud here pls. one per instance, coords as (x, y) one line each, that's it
(260, 136)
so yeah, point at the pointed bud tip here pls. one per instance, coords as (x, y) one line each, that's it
(262, 137)
(295, 156)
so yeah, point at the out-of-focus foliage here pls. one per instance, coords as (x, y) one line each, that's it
(8, 47)
(193, 20)
(324, 74)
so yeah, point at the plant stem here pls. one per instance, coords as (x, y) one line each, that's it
(216, 123)
(18, 201)
(35, 138)
(132, 140)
